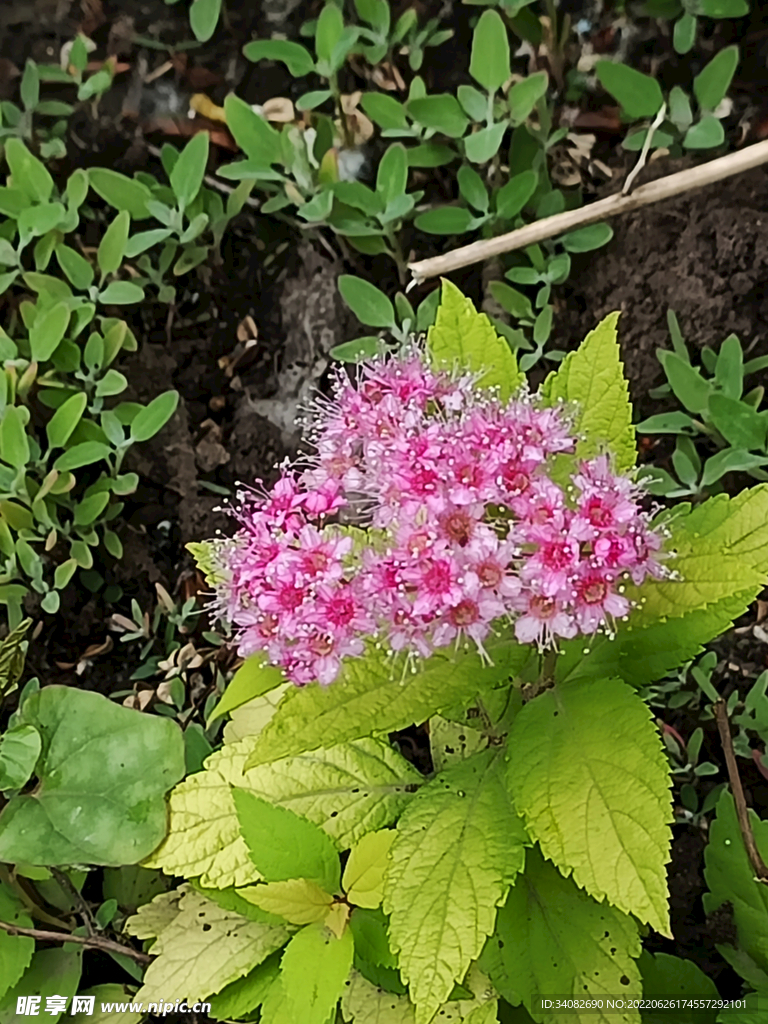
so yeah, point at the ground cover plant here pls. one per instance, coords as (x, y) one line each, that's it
(464, 708)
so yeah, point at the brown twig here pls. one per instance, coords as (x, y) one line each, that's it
(68, 887)
(665, 188)
(94, 941)
(724, 728)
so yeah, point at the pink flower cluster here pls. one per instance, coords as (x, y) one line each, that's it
(464, 526)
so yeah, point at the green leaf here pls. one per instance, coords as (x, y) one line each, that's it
(481, 146)
(441, 112)
(189, 170)
(122, 193)
(707, 134)
(29, 175)
(256, 137)
(89, 509)
(459, 846)
(372, 694)
(446, 220)
(639, 95)
(52, 972)
(713, 82)
(385, 110)
(512, 197)
(330, 26)
(121, 293)
(366, 1003)
(489, 60)
(247, 993)
(254, 678)
(48, 330)
(684, 33)
(731, 460)
(738, 422)
(313, 971)
(144, 240)
(15, 950)
(200, 947)
(346, 790)
(76, 267)
(598, 809)
(370, 305)
(523, 96)
(355, 351)
(719, 555)
(102, 775)
(203, 18)
(83, 454)
(430, 154)
(729, 369)
(461, 334)
(154, 416)
(112, 383)
(19, 750)
(473, 101)
(722, 8)
(105, 995)
(392, 175)
(472, 188)
(14, 445)
(731, 878)
(687, 384)
(112, 246)
(284, 845)
(513, 301)
(296, 57)
(665, 976)
(363, 880)
(551, 937)
(594, 236)
(593, 377)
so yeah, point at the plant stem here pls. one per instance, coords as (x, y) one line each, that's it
(92, 941)
(745, 825)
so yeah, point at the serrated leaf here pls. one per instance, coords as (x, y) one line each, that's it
(283, 844)
(371, 694)
(313, 971)
(461, 334)
(458, 847)
(347, 790)
(593, 377)
(249, 719)
(719, 554)
(731, 878)
(203, 949)
(365, 1003)
(554, 938)
(363, 880)
(588, 773)
(243, 996)
(51, 972)
(664, 976)
(253, 679)
(298, 900)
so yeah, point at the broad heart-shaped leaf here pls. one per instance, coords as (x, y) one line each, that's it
(665, 975)
(104, 771)
(347, 790)
(730, 878)
(551, 938)
(593, 377)
(459, 846)
(363, 880)
(462, 335)
(371, 695)
(588, 773)
(283, 844)
(313, 970)
(202, 948)
(15, 950)
(719, 555)
(52, 972)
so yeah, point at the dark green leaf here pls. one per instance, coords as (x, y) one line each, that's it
(483, 145)
(392, 175)
(472, 189)
(586, 239)
(430, 154)
(189, 170)
(707, 134)
(14, 446)
(258, 139)
(512, 197)
(112, 246)
(738, 422)
(711, 84)
(84, 454)
(684, 33)
(473, 101)
(447, 220)
(65, 419)
(523, 96)
(441, 112)
(385, 110)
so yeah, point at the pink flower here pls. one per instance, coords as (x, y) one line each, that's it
(543, 619)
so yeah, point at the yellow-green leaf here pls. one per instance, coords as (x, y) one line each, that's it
(363, 880)
(593, 377)
(462, 335)
(298, 900)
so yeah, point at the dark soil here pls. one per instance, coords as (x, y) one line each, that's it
(705, 255)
